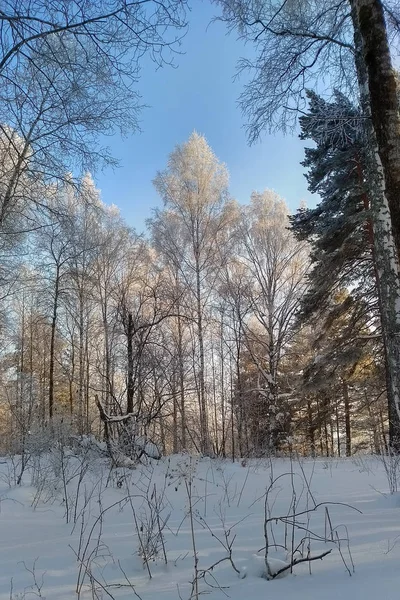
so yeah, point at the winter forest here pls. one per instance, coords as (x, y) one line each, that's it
(225, 386)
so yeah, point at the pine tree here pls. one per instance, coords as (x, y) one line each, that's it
(341, 235)
(339, 228)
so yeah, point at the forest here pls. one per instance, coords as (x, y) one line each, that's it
(194, 330)
(227, 329)
(214, 403)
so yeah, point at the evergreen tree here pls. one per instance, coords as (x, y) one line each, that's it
(339, 228)
(340, 232)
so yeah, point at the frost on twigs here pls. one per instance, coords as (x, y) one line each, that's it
(293, 531)
(124, 444)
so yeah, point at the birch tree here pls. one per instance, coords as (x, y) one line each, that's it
(298, 44)
(114, 240)
(194, 188)
(84, 215)
(69, 72)
(372, 46)
(277, 264)
(55, 250)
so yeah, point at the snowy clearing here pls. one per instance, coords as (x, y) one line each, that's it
(73, 529)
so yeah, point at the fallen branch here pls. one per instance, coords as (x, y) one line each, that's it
(297, 561)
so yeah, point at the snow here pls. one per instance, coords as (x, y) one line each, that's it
(36, 542)
(148, 447)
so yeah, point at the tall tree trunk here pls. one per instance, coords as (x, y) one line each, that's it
(181, 381)
(321, 443)
(22, 360)
(108, 388)
(130, 374)
(204, 438)
(273, 441)
(338, 437)
(174, 390)
(310, 427)
(382, 89)
(43, 395)
(81, 366)
(326, 424)
(21, 384)
(385, 446)
(87, 381)
(374, 424)
(214, 387)
(223, 411)
(233, 445)
(239, 413)
(31, 359)
(365, 14)
(72, 378)
(52, 342)
(347, 417)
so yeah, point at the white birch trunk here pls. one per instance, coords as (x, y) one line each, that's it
(386, 256)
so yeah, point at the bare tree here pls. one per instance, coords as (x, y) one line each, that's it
(68, 73)
(114, 239)
(109, 25)
(54, 254)
(296, 44)
(300, 43)
(85, 214)
(234, 292)
(278, 265)
(194, 190)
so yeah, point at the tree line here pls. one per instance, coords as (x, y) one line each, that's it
(192, 332)
(227, 329)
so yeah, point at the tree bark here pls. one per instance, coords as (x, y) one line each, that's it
(223, 411)
(204, 437)
(108, 391)
(311, 427)
(174, 390)
(181, 382)
(347, 417)
(214, 396)
(81, 364)
(87, 382)
(338, 436)
(130, 374)
(52, 343)
(382, 90)
(366, 14)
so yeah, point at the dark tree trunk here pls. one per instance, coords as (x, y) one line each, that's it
(181, 383)
(204, 434)
(311, 427)
(385, 446)
(233, 446)
(347, 417)
(130, 375)
(321, 443)
(374, 423)
(52, 343)
(81, 365)
(174, 391)
(338, 437)
(87, 383)
(223, 411)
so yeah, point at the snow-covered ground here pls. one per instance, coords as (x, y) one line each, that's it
(114, 518)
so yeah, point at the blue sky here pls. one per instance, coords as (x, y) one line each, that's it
(200, 95)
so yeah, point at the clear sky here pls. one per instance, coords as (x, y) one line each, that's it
(200, 94)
